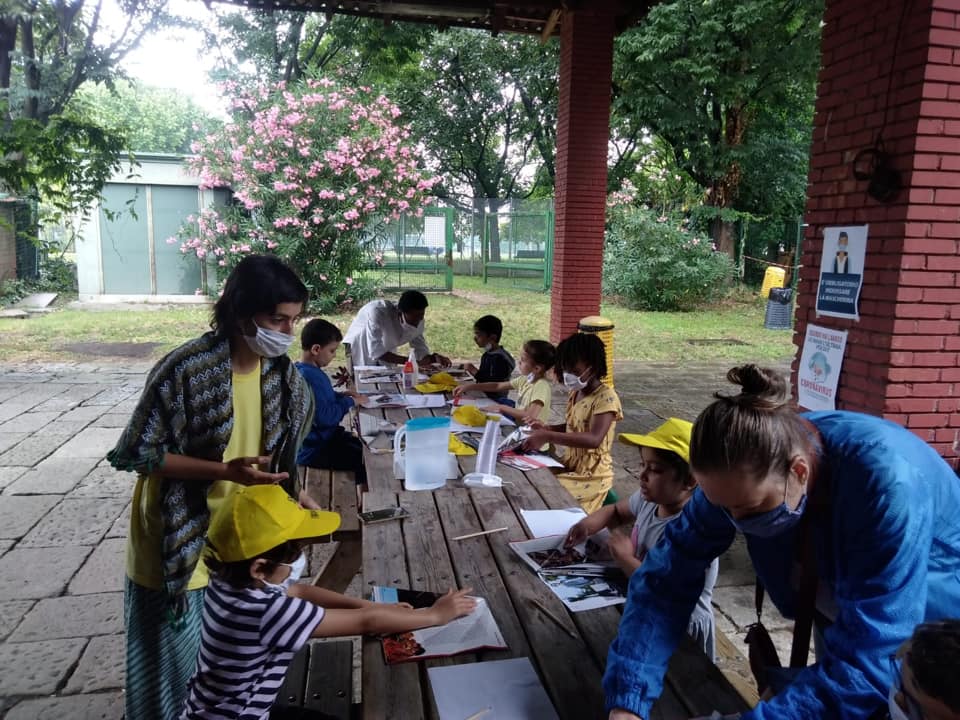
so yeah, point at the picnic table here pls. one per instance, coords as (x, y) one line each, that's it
(421, 553)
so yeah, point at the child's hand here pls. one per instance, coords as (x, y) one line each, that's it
(454, 605)
(470, 368)
(307, 502)
(535, 440)
(621, 547)
(358, 398)
(537, 425)
(461, 390)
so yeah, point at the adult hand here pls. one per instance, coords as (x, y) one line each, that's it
(618, 714)
(621, 547)
(241, 470)
(307, 502)
(341, 377)
(441, 360)
(536, 440)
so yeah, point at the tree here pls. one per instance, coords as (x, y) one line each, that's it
(153, 119)
(48, 49)
(725, 83)
(312, 165)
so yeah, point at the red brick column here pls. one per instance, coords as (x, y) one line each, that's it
(902, 356)
(583, 131)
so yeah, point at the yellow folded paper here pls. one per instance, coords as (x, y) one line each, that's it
(438, 382)
(470, 415)
(458, 447)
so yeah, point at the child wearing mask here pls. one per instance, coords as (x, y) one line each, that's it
(593, 410)
(496, 364)
(255, 618)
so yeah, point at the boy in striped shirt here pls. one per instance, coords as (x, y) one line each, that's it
(255, 618)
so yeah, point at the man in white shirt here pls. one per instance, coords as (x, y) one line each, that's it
(382, 326)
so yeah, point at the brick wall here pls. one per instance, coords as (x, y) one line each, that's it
(583, 131)
(8, 245)
(902, 356)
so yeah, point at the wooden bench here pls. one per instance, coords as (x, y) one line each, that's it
(319, 683)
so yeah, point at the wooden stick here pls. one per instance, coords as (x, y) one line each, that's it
(478, 534)
(563, 626)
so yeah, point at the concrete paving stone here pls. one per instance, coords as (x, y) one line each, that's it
(6, 544)
(121, 526)
(71, 616)
(67, 427)
(9, 439)
(85, 413)
(20, 513)
(37, 668)
(30, 573)
(109, 396)
(95, 706)
(112, 420)
(29, 421)
(75, 521)
(53, 476)
(9, 391)
(32, 449)
(104, 481)
(736, 602)
(103, 570)
(9, 474)
(12, 408)
(11, 613)
(90, 442)
(102, 666)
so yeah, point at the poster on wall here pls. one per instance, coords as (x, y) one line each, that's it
(819, 369)
(841, 271)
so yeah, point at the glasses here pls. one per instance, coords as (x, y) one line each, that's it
(914, 712)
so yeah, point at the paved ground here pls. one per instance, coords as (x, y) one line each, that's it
(63, 519)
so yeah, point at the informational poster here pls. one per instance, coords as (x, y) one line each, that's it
(434, 232)
(841, 271)
(820, 365)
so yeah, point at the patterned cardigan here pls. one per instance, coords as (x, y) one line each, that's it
(187, 408)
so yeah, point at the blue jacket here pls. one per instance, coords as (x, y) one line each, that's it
(888, 558)
(330, 409)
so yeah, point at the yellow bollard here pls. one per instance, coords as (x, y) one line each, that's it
(603, 329)
(774, 277)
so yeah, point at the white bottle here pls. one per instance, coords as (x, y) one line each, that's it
(489, 443)
(410, 372)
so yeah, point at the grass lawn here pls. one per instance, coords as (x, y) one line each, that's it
(647, 336)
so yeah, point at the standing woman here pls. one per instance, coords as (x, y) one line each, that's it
(874, 505)
(224, 409)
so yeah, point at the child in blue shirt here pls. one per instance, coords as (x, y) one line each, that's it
(328, 445)
(496, 364)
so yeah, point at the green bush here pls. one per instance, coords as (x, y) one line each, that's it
(654, 263)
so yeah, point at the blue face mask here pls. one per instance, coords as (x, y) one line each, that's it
(770, 523)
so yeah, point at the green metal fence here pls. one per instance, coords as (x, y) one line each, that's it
(415, 252)
(518, 246)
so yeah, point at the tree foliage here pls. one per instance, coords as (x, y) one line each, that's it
(729, 86)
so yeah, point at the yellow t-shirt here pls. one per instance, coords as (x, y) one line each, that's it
(537, 391)
(145, 538)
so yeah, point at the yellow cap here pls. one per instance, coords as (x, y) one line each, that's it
(470, 415)
(256, 518)
(673, 435)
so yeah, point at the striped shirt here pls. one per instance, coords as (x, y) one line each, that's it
(248, 639)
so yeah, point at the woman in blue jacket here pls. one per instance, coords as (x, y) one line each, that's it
(886, 538)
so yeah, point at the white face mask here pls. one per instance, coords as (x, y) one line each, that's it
(896, 712)
(269, 343)
(488, 347)
(296, 570)
(573, 381)
(531, 378)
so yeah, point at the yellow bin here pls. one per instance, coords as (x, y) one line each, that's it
(774, 277)
(602, 328)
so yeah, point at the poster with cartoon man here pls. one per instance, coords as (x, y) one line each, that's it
(841, 271)
(819, 369)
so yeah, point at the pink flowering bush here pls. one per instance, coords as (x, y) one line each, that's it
(315, 170)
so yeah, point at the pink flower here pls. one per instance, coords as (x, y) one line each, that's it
(349, 281)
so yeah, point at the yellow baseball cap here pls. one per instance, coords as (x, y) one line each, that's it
(256, 518)
(673, 435)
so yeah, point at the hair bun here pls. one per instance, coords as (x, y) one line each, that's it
(762, 388)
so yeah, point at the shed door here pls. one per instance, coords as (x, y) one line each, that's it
(177, 273)
(124, 246)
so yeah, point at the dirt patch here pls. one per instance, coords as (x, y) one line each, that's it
(480, 298)
(115, 349)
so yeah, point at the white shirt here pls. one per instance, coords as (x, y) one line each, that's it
(377, 330)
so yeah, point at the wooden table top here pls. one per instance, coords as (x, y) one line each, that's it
(418, 553)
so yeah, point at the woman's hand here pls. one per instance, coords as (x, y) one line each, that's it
(618, 714)
(621, 547)
(307, 502)
(241, 470)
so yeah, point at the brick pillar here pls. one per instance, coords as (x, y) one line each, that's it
(583, 132)
(902, 356)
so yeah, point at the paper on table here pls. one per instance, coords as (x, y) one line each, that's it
(383, 400)
(528, 461)
(551, 522)
(509, 688)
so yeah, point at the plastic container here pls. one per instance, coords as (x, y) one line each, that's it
(489, 443)
(779, 314)
(603, 329)
(773, 277)
(410, 372)
(425, 459)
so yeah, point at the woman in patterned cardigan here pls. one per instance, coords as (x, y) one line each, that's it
(224, 409)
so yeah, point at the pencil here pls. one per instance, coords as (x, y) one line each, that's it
(478, 534)
(563, 626)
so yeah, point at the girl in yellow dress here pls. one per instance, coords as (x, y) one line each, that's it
(593, 410)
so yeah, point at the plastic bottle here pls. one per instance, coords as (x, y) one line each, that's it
(409, 373)
(489, 444)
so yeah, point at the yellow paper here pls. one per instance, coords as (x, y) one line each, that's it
(470, 415)
(439, 382)
(457, 447)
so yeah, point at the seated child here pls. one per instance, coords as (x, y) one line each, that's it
(255, 619)
(593, 410)
(328, 445)
(533, 389)
(926, 668)
(496, 364)
(665, 487)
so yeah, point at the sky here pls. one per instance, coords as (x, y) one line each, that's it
(173, 58)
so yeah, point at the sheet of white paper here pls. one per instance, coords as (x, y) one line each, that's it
(551, 522)
(457, 427)
(425, 401)
(508, 689)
